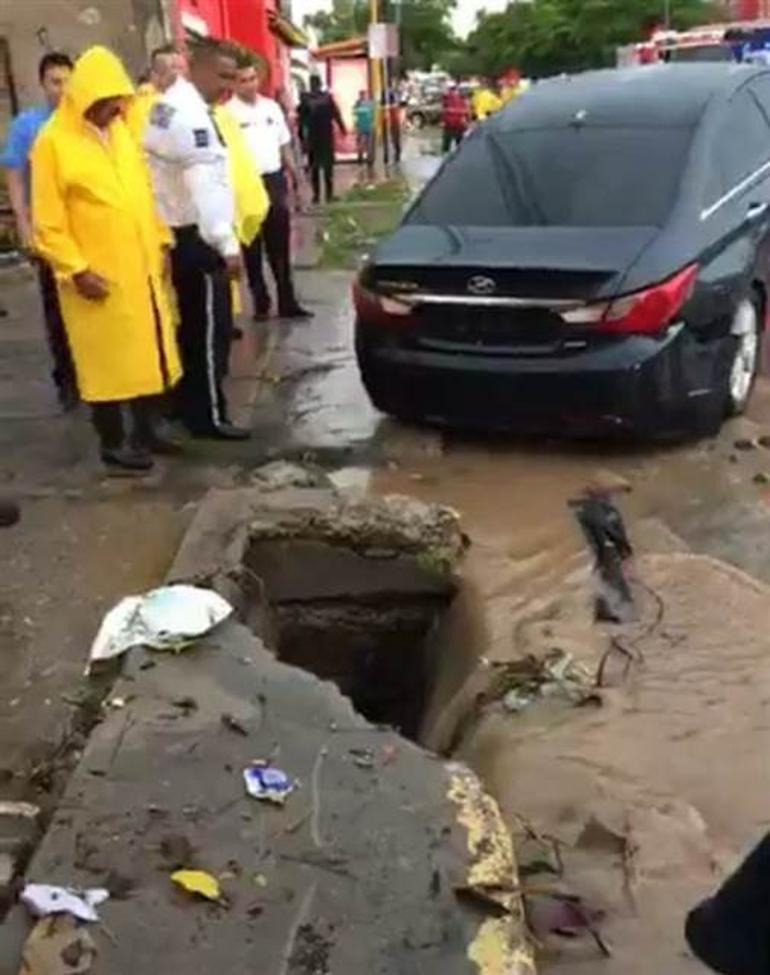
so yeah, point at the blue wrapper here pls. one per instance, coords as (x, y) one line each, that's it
(268, 783)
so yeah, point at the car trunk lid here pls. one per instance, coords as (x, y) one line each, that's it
(503, 290)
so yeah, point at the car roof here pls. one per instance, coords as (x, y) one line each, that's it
(657, 96)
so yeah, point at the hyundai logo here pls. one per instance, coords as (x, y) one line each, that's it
(481, 285)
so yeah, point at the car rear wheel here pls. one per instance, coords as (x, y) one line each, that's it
(746, 332)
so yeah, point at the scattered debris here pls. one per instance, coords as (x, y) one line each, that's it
(762, 478)
(233, 724)
(58, 946)
(186, 705)
(745, 443)
(43, 900)
(603, 527)
(267, 783)
(310, 952)
(259, 880)
(169, 618)
(362, 757)
(551, 912)
(557, 674)
(389, 754)
(764, 441)
(198, 882)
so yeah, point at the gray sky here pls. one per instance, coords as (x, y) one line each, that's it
(465, 16)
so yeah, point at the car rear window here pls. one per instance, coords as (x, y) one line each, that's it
(575, 176)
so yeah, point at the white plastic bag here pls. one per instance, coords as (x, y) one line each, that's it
(169, 618)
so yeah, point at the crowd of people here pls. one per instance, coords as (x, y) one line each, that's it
(141, 209)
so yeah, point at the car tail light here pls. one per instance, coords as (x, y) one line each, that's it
(384, 309)
(642, 313)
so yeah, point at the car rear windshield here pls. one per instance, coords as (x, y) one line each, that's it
(575, 176)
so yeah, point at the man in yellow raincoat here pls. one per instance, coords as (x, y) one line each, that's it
(486, 101)
(95, 222)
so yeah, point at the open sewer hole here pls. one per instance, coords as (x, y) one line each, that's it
(367, 624)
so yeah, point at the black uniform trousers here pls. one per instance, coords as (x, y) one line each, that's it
(205, 300)
(63, 367)
(274, 240)
(109, 421)
(320, 158)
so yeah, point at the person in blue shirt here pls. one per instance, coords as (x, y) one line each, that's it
(364, 116)
(54, 72)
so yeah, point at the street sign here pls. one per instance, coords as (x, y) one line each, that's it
(383, 41)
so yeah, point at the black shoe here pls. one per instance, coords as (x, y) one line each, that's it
(236, 333)
(163, 447)
(128, 459)
(225, 431)
(261, 315)
(9, 513)
(296, 312)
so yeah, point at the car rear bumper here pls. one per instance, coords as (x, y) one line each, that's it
(639, 385)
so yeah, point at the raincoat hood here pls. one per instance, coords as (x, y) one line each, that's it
(98, 74)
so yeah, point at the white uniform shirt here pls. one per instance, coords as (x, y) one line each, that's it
(188, 162)
(265, 130)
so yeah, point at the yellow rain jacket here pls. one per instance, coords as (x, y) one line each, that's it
(251, 199)
(486, 103)
(138, 111)
(93, 210)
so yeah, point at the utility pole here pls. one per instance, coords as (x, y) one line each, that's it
(667, 14)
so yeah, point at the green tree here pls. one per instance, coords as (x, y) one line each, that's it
(549, 36)
(426, 27)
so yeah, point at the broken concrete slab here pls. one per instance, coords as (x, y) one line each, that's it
(365, 861)
(346, 589)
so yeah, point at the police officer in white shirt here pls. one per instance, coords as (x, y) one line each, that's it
(188, 162)
(268, 137)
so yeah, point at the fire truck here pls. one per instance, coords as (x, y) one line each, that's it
(747, 40)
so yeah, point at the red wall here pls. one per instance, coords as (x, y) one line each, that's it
(244, 21)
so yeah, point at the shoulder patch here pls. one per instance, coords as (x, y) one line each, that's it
(201, 137)
(161, 115)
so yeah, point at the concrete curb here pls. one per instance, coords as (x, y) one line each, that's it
(399, 864)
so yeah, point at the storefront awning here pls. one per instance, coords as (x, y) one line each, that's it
(289, 33)
(355, 47)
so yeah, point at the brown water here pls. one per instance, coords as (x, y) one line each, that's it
(675, 757)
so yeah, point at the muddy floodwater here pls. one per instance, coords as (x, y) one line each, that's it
(638, 802)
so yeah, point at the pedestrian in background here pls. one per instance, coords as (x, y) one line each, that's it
(486, 100)
(393, 117)
(265, 129)
(95, 222)
(455, 118)
(363, 116)
(318, 114)
(54, 72)
(191, 177)
(166, 65)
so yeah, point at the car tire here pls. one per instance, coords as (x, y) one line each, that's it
(746, 356)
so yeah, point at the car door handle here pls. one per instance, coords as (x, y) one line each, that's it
(756, 210)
